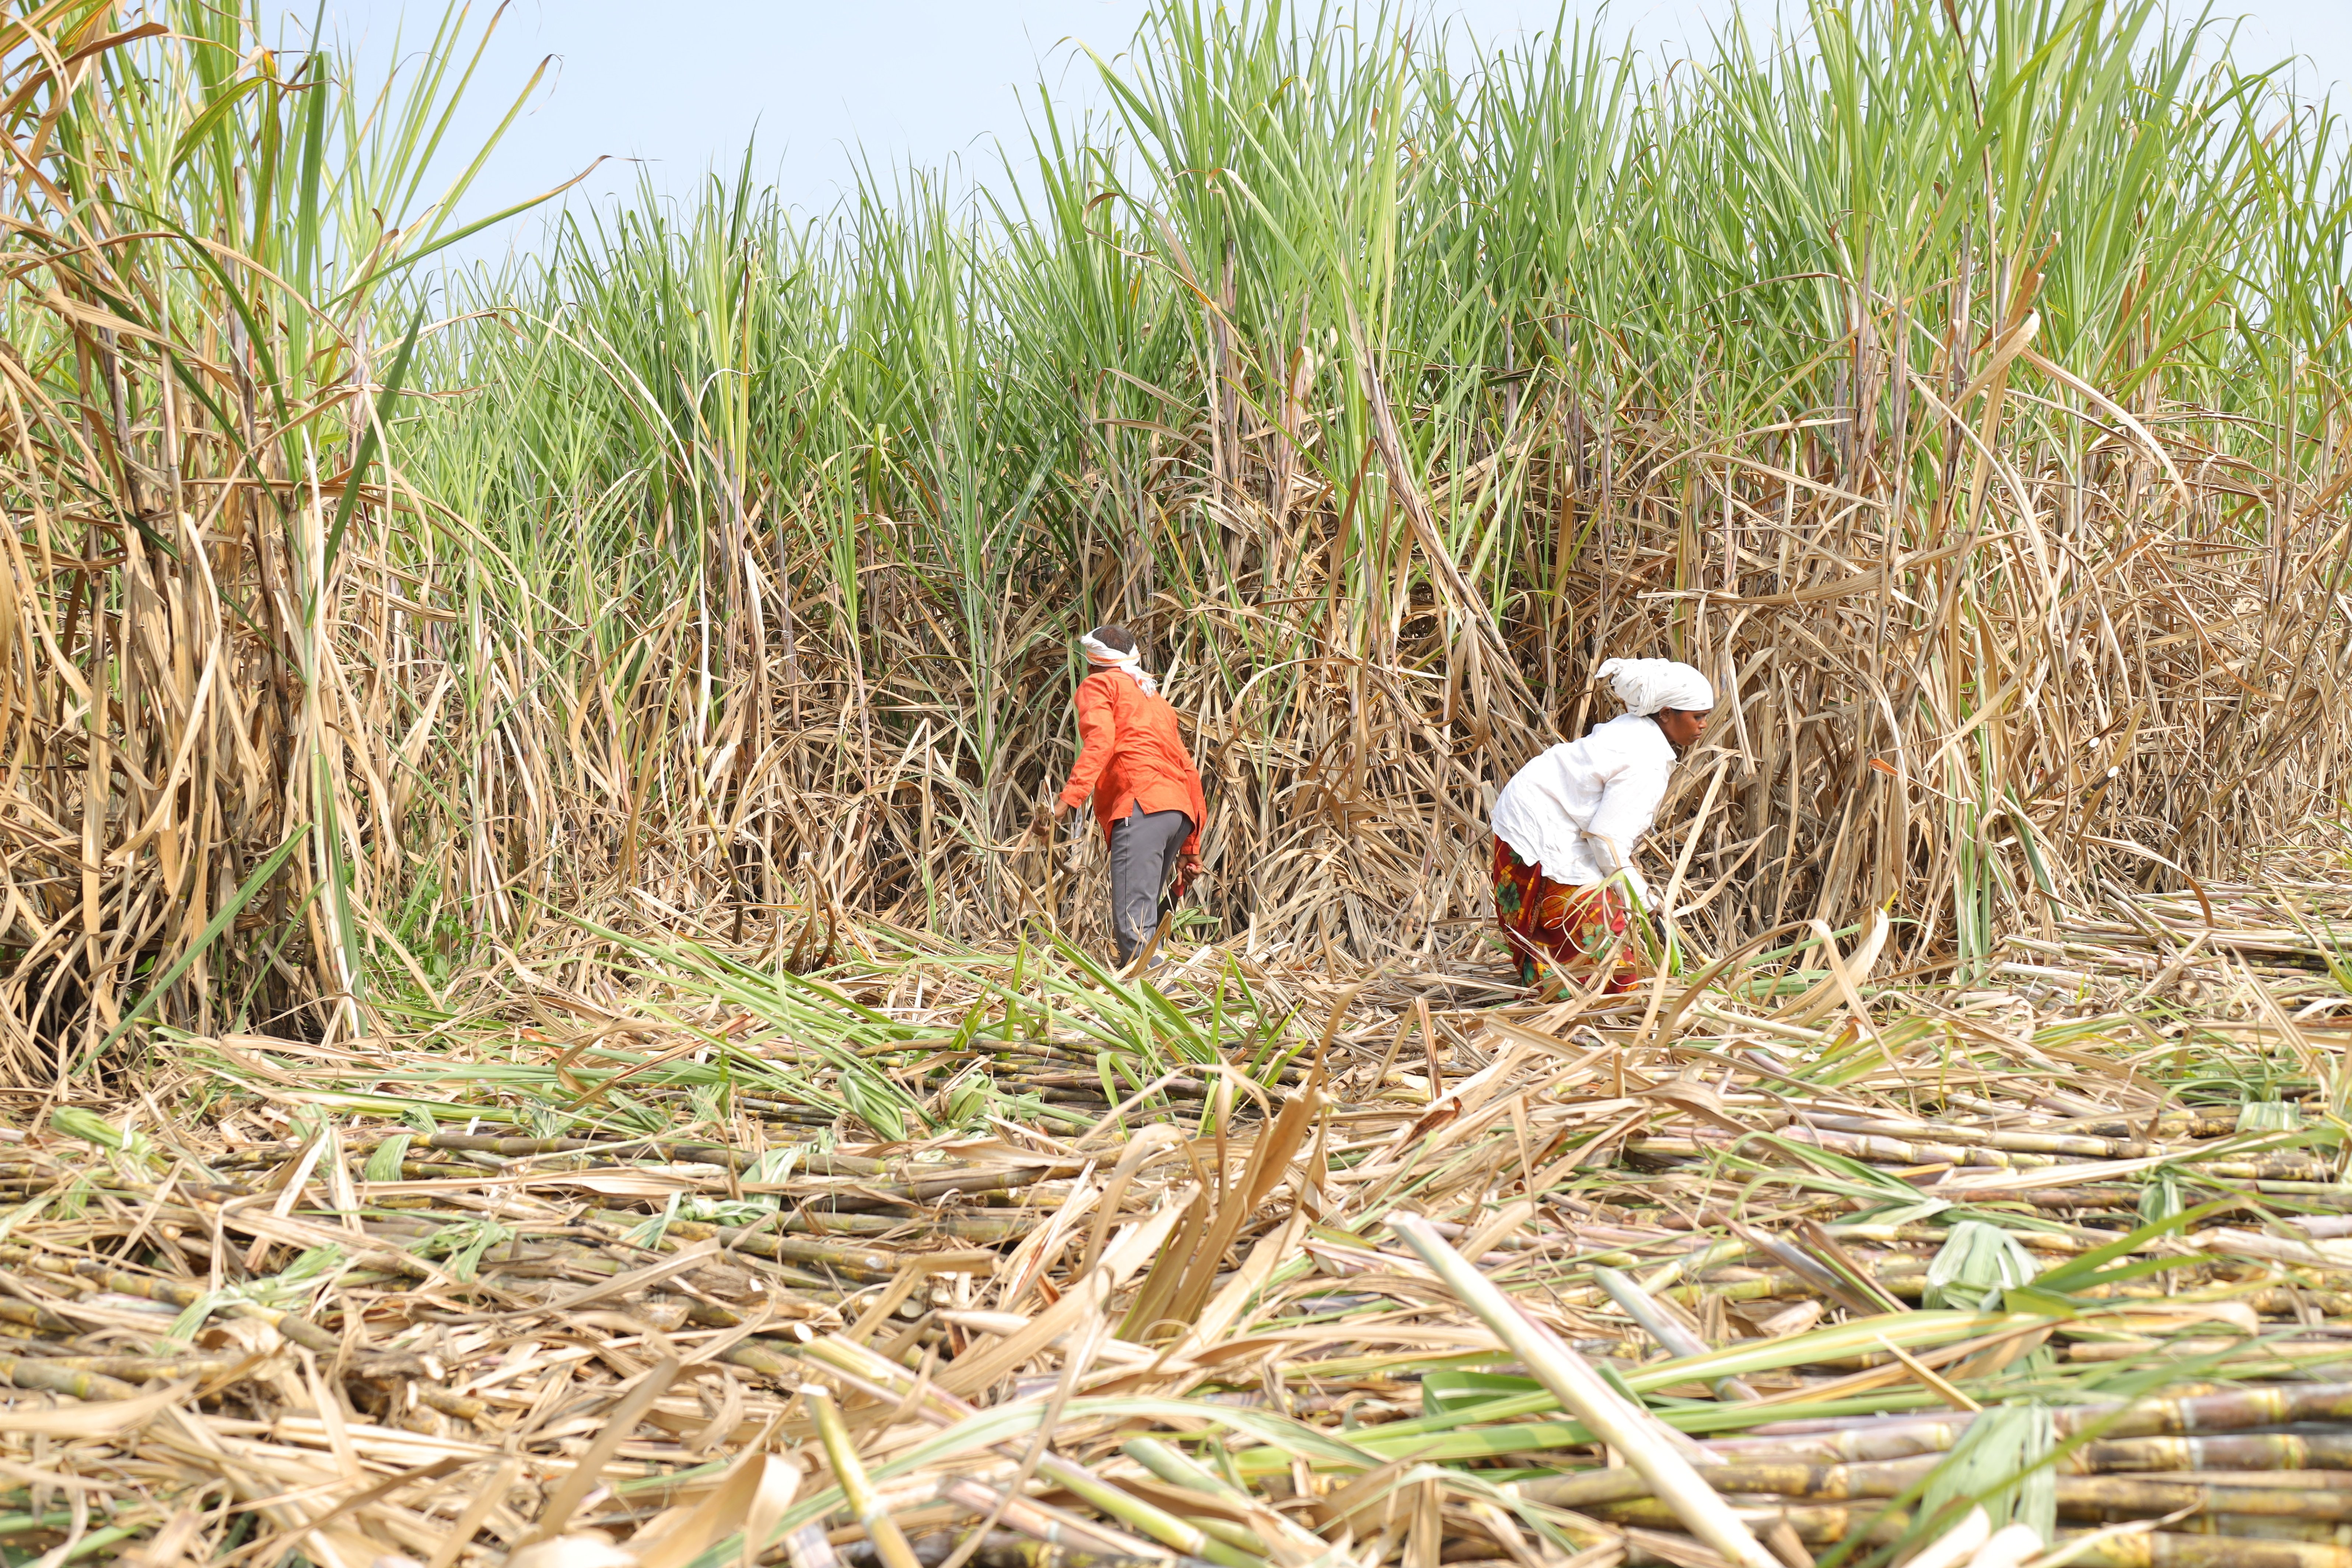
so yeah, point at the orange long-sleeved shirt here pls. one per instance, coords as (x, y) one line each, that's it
(1131, 754)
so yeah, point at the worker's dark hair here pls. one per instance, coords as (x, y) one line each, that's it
(1115, 636)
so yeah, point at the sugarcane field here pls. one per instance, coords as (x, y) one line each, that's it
(1400, 800)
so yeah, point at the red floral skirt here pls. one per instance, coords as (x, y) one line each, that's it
(1550, 925)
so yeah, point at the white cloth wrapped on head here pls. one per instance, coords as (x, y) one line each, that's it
(1130, 664)
(1646, 685)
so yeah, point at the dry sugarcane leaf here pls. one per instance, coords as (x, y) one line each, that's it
(756, 1491)
(980, 1369)
(108, 1418)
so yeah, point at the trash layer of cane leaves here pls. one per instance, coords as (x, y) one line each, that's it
(820, 1257)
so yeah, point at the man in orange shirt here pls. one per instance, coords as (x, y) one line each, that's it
(1147, 795)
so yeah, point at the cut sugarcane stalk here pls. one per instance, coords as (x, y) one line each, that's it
(1583, 1394)
(890, 1542)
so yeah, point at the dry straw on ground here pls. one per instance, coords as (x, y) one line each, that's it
(1834, 1256)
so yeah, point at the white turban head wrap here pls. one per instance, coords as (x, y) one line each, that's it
(1105, 657)
(1646, 685)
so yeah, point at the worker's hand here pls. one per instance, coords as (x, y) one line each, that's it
(1188, 872)
(1042, 824)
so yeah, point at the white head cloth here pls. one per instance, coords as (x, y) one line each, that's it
(1103, 654)
(1646, 685)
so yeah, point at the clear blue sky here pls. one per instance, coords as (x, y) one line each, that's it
(672, 88)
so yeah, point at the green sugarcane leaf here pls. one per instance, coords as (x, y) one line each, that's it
(1977, 1262)
(90, 1128)
(2089, 1268)
(221, 921)
(383, 1164)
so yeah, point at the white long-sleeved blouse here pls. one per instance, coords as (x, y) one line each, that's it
(1576, 812)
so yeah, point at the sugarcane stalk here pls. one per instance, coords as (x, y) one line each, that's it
(2258, 1451)
(137, 1368)
(1237, 1536)
(1890, 1437)
(1049, 1525)
(1636, 1305)
(27, 1315)
(516, 1148)
(1173, 1467)
(2238, 1476)
(2239, 1479)
(1164, 1461)
(2169, 1549)
(1009, 1549)
(47, 1377)
(1593, 1402)
(98, 1541)
(1595, 1488)
(863, 1263)
(2136, 1497)
(1820, 1523)
(1185, 1535)
(2266, 1527)
(964, 1227)
(1691, 1143)
(867, 1196)
(18, 1523)
(2010, 1140)
(1814, 1524)
(176, 1293)
(840, 1453)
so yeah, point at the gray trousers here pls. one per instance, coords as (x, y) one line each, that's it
(1143, 851)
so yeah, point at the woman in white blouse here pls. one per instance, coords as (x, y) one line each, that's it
(1566, 824)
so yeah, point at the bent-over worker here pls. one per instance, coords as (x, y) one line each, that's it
(1147, 795)
(1566, 824)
